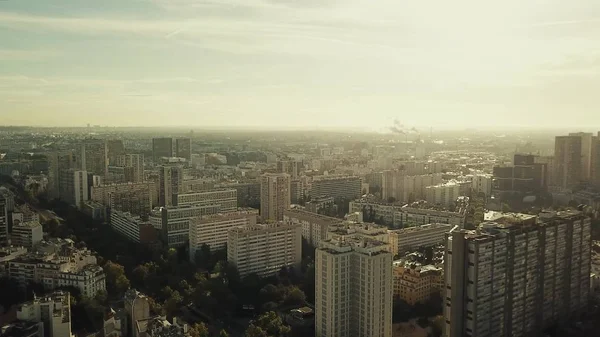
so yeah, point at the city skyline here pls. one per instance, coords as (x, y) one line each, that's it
(272, 64)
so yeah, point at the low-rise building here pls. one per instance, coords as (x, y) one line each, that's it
(212, 230)
(8, 254)
(27, 234)
(59, 265)
(53, 310)
(415, 283)
(264, 249)
(403, 240)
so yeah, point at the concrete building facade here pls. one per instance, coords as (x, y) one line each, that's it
(264, 249)
(517, 275)
(354, 288)
(275, 195)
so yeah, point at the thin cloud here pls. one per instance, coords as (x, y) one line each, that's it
(564, 23)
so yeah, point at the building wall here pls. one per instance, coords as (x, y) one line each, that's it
(347, 187)
(353, 292)
(161, 147)
(517, 280)
(275, 196)
(213, 230)
(264, 249)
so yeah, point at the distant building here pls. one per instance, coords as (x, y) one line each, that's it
(183, 148)
(404, 240)
(525, 176)
(173, 223)
(264, 249)
(211, 230)
(133, 228)
(95, 210)
(170, 182)
(226, 199)
(27, 234)
(401, 187)
(336, 186)
(413, 214)
(275, 196)
(135, 198)
(115, 149)
(443, 194)
(3, 220)
(317, 204)
(291, 167)
(482, 183)
(73, 187)
(57, 161)
(415, 283)
(136, 163)
(161, 147)
(535, 274)
(314, 226)
(353, 287)
(94, 157)
(53, 310)
(568, 161)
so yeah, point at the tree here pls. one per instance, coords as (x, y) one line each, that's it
(295, 296)
(223, 333)
(271, 324)
(391, 200)
(255, 331)
(116, 281)
(199, 330)
(173, 303)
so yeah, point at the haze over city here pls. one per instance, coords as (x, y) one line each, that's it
(302, 64)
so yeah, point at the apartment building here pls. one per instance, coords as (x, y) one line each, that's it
(413, 214)
(264, 249)
(53, 310)
(415, 283)
(405, 188)
(136, 163)
(336, 186)
(226, 199)
(135, 198)
(161, 147)
(314, 226)
(170, 181)
(132, 227)
(57, 161)
(73, 186)
(410, 238)
(317, 204)
(443, 194)
(27, 234)
(568, 161)
(275, 195)
(173, 223)
(212, 230)
(291, 167)
(65, 266)
(94, 157)
(248, 193)
(354, 288)
(517, 275)
(183, 148)
(3, 220)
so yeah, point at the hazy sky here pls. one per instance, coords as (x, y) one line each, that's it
(328, 63)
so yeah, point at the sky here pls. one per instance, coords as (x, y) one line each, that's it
(300, 63)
